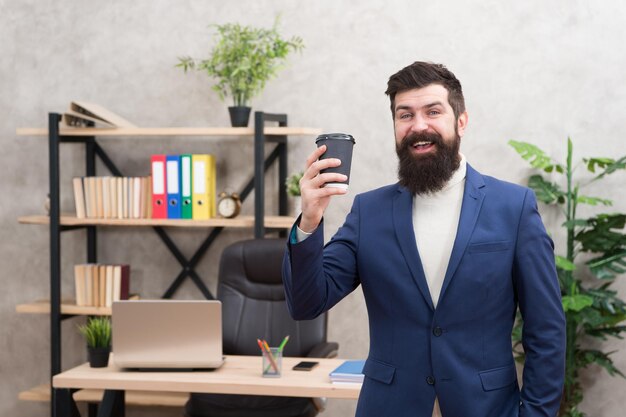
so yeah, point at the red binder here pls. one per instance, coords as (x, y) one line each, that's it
(159, 196)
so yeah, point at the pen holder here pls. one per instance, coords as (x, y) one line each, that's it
(272, 363)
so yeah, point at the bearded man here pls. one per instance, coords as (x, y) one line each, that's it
(444, 257)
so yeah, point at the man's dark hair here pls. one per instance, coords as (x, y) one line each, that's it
(421, 74)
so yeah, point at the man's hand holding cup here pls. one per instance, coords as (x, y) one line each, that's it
(326, 174)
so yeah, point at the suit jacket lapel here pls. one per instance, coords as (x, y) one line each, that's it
(473, 198)
(403, 225)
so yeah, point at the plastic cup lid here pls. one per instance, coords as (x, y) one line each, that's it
(334, 136)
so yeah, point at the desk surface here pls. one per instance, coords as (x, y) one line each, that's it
(238, 375)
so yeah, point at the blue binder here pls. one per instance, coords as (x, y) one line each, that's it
(172, 172)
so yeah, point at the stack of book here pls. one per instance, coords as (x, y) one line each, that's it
(348, 372)
(98, 285)
(112, 197)
(183, 186)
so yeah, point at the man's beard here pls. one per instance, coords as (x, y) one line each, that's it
(429, 172)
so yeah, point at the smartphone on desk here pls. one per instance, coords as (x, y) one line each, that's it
(305, 366)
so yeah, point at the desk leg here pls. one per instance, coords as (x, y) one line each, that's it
(64, 405)
(112, 404)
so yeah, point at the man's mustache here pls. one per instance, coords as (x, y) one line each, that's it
(414, 137)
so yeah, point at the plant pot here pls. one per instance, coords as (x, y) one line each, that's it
(98, 357)
(239, 116)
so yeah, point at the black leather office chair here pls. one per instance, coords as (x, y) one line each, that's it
(253, 307)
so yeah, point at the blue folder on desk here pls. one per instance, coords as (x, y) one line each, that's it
(349, 371)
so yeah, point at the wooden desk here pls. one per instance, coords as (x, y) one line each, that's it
(238, 375)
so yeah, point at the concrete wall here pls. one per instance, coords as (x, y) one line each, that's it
(535, 71)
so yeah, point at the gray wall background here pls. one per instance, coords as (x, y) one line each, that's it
(535, 71)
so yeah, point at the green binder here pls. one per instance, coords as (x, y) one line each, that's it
(186, 187)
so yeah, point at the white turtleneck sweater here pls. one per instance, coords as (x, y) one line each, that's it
(435, 223)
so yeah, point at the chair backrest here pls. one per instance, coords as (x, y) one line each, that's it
(253, 301)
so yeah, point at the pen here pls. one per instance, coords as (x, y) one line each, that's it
(264, 353)
(283, 343)
(261, 345)
(266, 349)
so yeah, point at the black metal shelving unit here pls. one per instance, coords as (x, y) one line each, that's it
(188, 264)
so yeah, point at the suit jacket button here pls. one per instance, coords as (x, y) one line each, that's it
(430, 380)
(437, 331)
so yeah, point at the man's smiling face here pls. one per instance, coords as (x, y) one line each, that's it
(426, 110)
(427, 137)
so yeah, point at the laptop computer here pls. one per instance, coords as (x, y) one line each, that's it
(167, 334)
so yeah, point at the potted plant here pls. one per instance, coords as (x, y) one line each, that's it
(243, 60)
(292, 185)
(593, 309)
(97, 334)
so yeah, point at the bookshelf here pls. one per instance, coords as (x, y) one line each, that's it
(259, 223)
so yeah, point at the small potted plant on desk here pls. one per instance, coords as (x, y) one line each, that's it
(292, 184)
(242, 61)
(97, 333)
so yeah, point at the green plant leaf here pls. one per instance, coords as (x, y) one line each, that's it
(602, 359)
(598, 321)
(609, 265)
(186, 63)
(292, 183)
(545, 191)
(608, 165)
(592, 163)
(516, 337)
(593, 201)
(576, 302)
(97, 332)
(603, 233)
(608, 303)
(537, 158)
(564, 263)
(603, 332)
(576, 223)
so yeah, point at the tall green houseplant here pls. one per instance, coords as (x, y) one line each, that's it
(592, 307)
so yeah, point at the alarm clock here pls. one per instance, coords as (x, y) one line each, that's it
(228, 205)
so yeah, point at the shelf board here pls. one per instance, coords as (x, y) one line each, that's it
(273, 222)
(145, 398)
(38, 393)
(67, 307)
(170, 131)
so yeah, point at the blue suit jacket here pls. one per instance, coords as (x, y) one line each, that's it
(459, 352)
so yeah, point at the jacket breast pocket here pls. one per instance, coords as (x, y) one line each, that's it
(379, 371)
(488, 247)
(497, 378)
